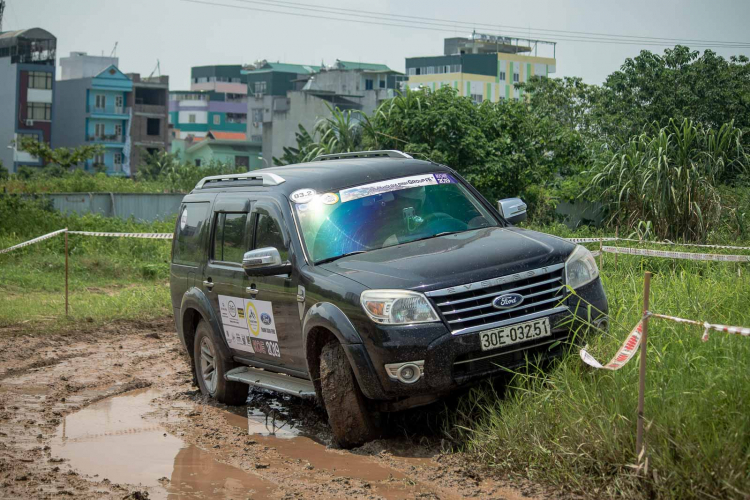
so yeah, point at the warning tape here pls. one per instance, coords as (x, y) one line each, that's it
(597, 240)
(35, 240)
(590, 240)
(677, 255)
(158, 236)
(737, 330)
(624, 354)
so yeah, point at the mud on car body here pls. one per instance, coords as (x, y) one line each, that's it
(372, 281)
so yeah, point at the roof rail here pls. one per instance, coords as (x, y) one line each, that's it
(268, 178)
(387, 153)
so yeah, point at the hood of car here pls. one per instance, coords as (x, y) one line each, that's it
(453, 259)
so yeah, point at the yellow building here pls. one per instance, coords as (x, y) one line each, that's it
(483, 67)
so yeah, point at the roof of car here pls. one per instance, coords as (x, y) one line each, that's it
(333, 175)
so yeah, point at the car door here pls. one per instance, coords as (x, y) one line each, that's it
(276, 296)
(224, 280)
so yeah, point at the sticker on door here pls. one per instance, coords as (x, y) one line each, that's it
(249, 325)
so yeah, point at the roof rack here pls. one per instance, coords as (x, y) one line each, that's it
(268, 178)
(385, 153)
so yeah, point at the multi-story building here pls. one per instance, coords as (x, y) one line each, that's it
(217, 101)
(281, 97)
(149, 127)
(82, 65)
(27, 84)
(96, 110)
(483, 67)
(229, 148)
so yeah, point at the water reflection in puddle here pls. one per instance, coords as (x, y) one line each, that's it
(113, 440)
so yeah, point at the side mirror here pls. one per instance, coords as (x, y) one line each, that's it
(264, 262)
(512, 209)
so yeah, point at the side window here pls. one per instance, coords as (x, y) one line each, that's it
(268, 234)
(191, 224)
(230, 241)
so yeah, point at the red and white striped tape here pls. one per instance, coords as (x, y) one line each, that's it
(624, 354)
(590, 240)
(35, 240)
(677, 255)
(597, 240)
(158, 236)
(736, 330)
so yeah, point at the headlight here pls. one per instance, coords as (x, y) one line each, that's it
(580, 268)
(397, 307)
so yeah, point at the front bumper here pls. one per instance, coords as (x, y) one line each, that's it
(452, 361)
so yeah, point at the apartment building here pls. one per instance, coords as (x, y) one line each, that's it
(483, 67)
(149, 127)
(27, 85)
(282, 96)
(96, 110)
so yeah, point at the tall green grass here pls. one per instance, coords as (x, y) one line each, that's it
(574, 427)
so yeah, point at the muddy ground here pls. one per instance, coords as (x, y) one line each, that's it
(112, 412)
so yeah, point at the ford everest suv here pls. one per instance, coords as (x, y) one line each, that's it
(372, 281)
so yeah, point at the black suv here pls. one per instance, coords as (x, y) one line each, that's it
(372, 281)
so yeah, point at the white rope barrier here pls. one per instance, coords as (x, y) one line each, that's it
(35, 240)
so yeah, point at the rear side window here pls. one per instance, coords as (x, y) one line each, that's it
(191, 227)
(230, 239)
(268, 234)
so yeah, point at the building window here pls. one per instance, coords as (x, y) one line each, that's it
(242, 161)
(100, 100)
(257, 115)
(236, 80)
(99, 159)
(39, 111)
(153, 126)
(368, 84)
(118, 161)
(118, 130)
(40, 80)
(256, 138)
(476, 98)
(118, 103)
(260, 88)
(197, 162)
(411, 71)
(191, 118)
(99, 130)
(236, 117)
(381, 84)
(501, 76)
(217, 120)
(516, 77)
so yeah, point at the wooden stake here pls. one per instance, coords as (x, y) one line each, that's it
(617, 236)
(640, 445)
(66, 273)
(601, 255)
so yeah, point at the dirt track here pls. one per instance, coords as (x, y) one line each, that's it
(112, 413)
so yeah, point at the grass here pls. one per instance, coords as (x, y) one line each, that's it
(574, 427)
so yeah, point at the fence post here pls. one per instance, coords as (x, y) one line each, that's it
(66, 272)
(640, 446)
(617, 238)
(601, 254)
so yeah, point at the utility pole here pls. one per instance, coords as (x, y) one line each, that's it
(2, 9)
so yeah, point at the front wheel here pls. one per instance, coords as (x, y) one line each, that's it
(351, 421)
(210, 368)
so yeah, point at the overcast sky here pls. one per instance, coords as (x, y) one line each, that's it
(182, 34)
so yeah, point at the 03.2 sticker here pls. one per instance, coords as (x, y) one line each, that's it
(249, 325)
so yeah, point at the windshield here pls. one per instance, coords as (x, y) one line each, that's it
(385, 214)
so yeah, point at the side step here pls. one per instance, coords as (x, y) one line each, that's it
(273, 381)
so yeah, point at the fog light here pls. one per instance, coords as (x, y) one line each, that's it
(407, 372)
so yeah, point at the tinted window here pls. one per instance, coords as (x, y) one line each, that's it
(191, 225)
(268, 234)
(230, 243)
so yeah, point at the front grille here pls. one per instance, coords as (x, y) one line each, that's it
(468, 308)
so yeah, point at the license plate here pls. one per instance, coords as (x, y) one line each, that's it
(514, 334)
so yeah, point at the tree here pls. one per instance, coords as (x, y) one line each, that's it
(66, 158)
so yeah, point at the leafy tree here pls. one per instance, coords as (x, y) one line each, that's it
(67, 158)
(3, 172)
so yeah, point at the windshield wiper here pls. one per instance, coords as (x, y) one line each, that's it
(444, 233)
(331, 259)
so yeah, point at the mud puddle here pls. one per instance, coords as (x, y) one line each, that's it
(112, 439)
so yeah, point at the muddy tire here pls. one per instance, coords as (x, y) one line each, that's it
(210, 367)
(351, 421)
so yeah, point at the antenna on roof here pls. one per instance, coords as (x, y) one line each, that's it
(157, 68)
(114, 49)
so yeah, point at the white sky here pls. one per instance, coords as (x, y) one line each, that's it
(182, 34)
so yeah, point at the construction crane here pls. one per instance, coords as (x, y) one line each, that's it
(2, 9)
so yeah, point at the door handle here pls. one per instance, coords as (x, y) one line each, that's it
(209, 284)
(252, 291)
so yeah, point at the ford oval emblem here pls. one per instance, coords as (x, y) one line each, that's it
(507, 301)
(265, 318)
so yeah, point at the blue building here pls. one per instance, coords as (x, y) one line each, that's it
(93, 110)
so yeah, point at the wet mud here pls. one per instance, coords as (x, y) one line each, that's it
(114, 414)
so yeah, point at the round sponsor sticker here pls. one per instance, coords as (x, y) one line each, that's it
(302, 195)
(329, 198)
(183, 219)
